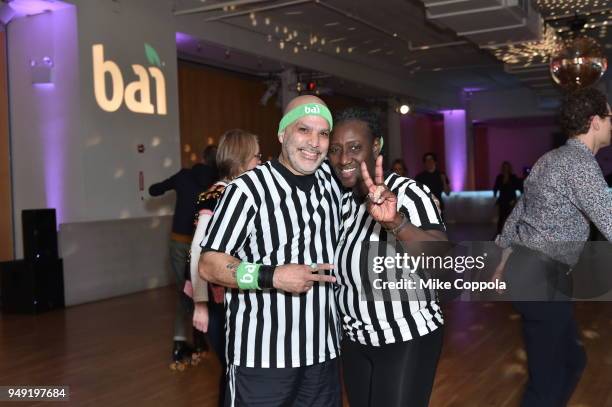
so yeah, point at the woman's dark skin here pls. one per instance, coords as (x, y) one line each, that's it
(354, 154)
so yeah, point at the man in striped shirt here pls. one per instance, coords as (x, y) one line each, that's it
(273, 231)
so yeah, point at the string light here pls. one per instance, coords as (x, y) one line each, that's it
(526, 53)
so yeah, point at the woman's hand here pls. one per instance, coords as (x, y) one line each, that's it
(200, 316)
(381, 203)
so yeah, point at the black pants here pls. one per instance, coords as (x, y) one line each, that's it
(555, 358)
(216, 337)
(398, 374)
(316, 385)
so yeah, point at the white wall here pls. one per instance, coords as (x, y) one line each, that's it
(111, 162)
(110, 258)
(69, 154)
(44, 119)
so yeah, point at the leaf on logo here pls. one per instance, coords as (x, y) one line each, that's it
(152, 56)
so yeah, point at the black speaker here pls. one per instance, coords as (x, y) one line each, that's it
(39, 234)
(30, 287)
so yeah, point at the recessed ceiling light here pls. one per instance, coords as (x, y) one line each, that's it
(332, 24)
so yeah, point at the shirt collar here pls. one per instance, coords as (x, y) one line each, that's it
(579, 144)
(304, 182)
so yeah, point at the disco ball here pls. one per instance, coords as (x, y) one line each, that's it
(579, 64)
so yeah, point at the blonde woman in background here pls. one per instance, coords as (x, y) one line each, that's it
(237, 153)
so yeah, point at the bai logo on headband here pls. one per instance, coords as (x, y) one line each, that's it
(137, 94)
(312, 110)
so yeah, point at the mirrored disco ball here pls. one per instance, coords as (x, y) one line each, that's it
(579, 64)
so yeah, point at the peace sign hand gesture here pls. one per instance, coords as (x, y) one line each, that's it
(381, 202)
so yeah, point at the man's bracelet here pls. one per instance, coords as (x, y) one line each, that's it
(251, 276)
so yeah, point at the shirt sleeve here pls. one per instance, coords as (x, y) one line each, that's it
(417, 204)
(591, 195)
(161, 188)
(200, 286)
(509, 234)
(231, 223)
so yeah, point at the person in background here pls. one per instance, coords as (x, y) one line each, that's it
(188, 183)
(542, 240)
(505, 188)
(399, 168)
(238, 152)
(436, 181)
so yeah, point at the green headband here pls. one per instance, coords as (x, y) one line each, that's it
(309, 109)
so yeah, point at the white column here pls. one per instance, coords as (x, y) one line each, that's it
(288, 86)
(456, 148)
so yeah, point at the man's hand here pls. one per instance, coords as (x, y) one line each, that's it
(498, 275)
(298, 278)
(382, 203)
(200, 317)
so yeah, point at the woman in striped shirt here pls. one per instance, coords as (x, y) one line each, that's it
(390, 348)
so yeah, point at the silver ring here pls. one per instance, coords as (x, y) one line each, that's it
(314, 267)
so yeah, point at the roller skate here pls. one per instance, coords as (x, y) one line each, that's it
(200, 347)
(181, 356)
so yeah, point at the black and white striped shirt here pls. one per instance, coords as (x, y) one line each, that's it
(271, 216)
(376, 323)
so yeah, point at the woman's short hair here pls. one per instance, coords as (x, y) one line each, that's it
(369, 117)
(236, 148)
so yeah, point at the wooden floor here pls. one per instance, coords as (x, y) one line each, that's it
(116, 352)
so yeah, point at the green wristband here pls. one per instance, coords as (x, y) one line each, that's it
(309, 109)
(247, 276)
